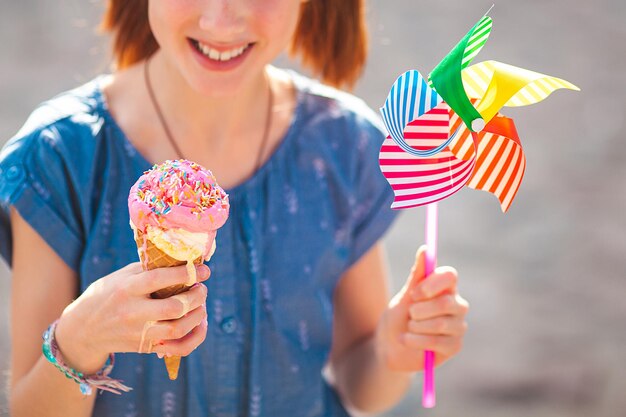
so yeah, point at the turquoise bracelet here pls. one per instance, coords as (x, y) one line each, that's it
(99, 380)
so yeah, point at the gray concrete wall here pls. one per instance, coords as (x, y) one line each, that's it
(547, 280)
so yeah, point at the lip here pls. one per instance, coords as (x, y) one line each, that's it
(215, 65)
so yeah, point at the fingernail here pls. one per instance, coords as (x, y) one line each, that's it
(160, 355)
(203, 272)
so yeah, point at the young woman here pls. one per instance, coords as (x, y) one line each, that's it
(298, 278)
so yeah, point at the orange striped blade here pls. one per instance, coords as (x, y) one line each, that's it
(500, 161)
(462, 146)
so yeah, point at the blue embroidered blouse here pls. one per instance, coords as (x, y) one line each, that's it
(295, 227)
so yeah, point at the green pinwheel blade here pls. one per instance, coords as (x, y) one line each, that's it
(446, 77)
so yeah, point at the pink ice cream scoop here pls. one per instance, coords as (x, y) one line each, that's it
(178, 195)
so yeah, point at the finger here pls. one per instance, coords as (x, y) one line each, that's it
(185, 345)
(444, 345)
(176, 306)
(146, 282)
(134, 268)
(443, 280)
(443, 326)
(444, 305)
(176, 329)
(417, 272)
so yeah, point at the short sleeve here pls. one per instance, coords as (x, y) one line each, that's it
(372, 213)
(35, 179)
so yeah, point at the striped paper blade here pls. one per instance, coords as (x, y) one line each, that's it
(477, 40)
(409, 98)
(446, 76)
(416, 180)
(500, 159)
(462, 145)
(535, 86)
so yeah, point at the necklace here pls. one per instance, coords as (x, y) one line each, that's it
(170, 137)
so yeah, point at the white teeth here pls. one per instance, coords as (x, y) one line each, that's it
(220, 56)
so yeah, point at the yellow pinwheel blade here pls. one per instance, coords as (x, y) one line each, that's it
(498, 85)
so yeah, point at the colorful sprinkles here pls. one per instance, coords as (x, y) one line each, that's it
(167, 185)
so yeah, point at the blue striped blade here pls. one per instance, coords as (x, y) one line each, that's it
(409, 98)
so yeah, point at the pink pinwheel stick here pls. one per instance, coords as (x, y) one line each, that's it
(428, 396)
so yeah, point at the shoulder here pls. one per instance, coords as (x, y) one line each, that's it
(338, 125)
(339, 134)
(59, 128)
(56, 145)
(328, 104)
(66, 107)
(75, 110)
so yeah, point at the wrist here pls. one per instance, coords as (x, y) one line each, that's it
(98, 380)
(76, 347)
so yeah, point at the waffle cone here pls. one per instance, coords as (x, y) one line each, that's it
(152, 257)
(172, 363)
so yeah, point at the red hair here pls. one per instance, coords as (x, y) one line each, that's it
(331, 37)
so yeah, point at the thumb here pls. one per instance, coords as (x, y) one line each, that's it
(417, 274)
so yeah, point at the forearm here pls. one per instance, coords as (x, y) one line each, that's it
(365, 382)
(45, 391)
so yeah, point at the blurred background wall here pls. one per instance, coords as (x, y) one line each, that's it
(546, 281)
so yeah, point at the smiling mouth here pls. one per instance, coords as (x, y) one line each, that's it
(219, 56)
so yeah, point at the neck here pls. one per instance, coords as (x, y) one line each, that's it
(197, 119)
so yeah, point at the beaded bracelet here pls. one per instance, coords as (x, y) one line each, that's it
(99, 380)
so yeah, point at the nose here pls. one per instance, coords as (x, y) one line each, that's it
(223, 19)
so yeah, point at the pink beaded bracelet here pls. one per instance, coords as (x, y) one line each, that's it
(99, 380)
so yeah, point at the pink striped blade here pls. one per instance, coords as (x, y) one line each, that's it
(415, 180)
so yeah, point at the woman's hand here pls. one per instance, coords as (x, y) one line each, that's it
(427, 314)
(116, 314)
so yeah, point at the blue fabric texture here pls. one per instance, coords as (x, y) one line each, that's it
(312, 210)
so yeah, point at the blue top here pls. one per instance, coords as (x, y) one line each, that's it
(316, 206)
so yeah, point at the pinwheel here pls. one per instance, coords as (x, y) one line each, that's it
(445, 132)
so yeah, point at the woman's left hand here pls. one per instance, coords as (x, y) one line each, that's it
(427, 314)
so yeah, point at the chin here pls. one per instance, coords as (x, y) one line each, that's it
(219, 87)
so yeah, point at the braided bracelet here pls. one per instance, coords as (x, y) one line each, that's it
(99, 380)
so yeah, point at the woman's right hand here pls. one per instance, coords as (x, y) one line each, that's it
(115, 312)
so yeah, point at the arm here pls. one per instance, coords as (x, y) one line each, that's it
(361, 378)
(108, 317)
(41, 289)
(377, 346)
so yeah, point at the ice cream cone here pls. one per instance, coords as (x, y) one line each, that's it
(172, 363)
(175, 210)
(151, 258)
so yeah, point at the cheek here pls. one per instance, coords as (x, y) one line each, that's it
(167, 17)
(278, 19)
